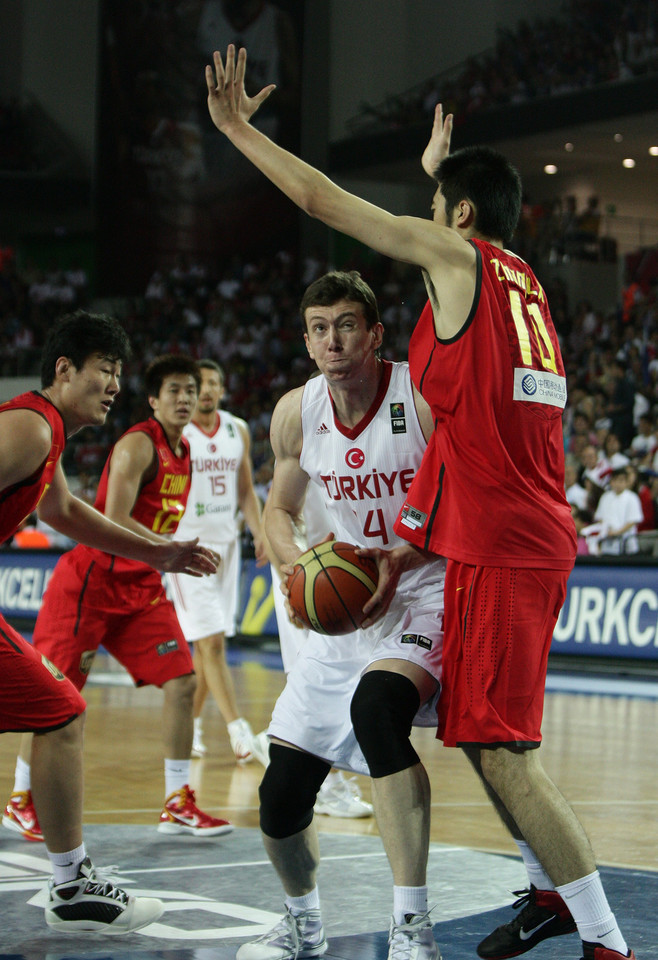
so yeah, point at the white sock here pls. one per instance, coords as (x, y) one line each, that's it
(590, 909)
(198, 726)
(408, 900)
(536, 873)
(310, 901)
(177, 775)
(65, 865)
(22, 780)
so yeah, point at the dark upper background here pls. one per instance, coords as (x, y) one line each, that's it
(123, 168)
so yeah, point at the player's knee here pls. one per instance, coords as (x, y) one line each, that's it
(67, 737)
(382, 710)
(288, 791)
(508, 768)
(212, 646)
(181, 688)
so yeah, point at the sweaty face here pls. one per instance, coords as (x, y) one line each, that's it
(176, 401)
(91, 391)
(338, 339)
(211, 391)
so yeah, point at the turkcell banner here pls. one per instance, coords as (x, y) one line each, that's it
(24, 576)
(609, 612)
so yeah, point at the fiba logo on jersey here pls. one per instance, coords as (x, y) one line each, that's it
(355, 458)
(212, 448)
(398, 419)
(529, 384)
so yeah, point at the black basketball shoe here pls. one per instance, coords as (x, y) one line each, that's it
(544, 915)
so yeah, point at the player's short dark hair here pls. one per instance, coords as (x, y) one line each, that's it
(167, 365)
(488, 179)
(79, 336)
(340, 285)
(207, 364)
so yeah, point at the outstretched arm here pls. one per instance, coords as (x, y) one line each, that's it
(411, 239)
(84, 523)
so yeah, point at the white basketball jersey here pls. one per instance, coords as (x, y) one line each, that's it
(364, 472)
(212, 505)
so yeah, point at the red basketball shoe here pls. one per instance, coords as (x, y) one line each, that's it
(21, 816)
(181, 815)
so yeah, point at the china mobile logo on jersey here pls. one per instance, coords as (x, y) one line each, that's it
(540, 387)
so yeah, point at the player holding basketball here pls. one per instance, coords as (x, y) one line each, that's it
(222, 486)
(80, 369)
(339, 796)
(490, 494)
(357, 435)
(96, 598)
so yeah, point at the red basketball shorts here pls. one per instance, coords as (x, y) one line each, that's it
(34, 695)
(498, 628)
(86, 606)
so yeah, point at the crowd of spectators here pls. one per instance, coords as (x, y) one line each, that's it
(245, 315)
(592, 42)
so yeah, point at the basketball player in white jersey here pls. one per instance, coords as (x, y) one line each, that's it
(358, 433)
(222, 485)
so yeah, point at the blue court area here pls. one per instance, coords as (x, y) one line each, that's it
(220, 892)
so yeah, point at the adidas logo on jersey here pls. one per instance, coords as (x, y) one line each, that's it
(323, 428)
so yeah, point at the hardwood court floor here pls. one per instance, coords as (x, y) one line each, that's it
(602, 751)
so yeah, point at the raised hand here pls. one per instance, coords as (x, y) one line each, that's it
(227, 98)
(439, 145)
(186, 556)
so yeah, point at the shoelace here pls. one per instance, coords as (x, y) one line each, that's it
(105, 888)
(402, 934)
(525, 900)
(288, 927)
(101, 883)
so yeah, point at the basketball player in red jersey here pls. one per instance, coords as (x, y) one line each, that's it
(94, 597)
(490, 493)
(81, 365)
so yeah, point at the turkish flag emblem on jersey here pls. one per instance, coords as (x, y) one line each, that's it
(355, 458)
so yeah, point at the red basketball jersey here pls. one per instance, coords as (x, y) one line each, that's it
(161, 502)
(490, 489)
(19, 500)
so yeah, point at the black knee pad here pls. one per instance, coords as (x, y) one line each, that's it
(288, 791)
(382, 710)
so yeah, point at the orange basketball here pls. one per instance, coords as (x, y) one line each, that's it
(330, 585)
